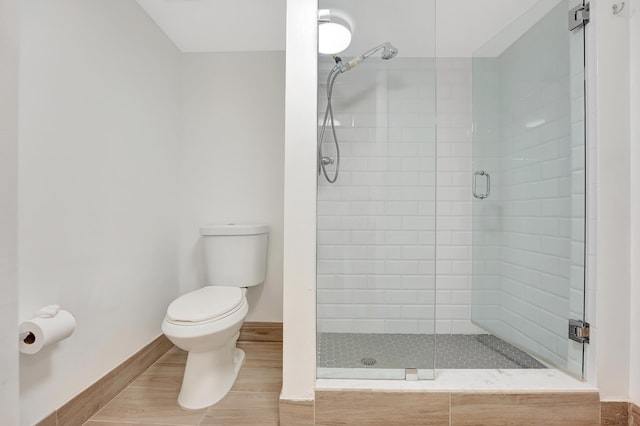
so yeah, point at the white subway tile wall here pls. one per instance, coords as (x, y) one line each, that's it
(377, 228)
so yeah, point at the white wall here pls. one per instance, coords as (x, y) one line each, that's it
(610, 116)
(9, 18)
(634, 73)
(232, 161)
(97, 187)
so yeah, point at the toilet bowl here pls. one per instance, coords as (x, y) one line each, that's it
(206, 322)
(213, 361)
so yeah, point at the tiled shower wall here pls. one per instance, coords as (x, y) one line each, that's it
(377, 225)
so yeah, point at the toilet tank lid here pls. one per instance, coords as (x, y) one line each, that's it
(234, 229)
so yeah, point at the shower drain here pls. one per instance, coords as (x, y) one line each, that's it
(368, 361)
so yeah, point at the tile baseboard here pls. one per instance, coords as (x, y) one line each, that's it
(544, 408)
(458, 408)
(363, 407)
(614, 413)
(261, 332)
(95, 397)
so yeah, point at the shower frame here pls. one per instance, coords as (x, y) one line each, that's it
(581, 373)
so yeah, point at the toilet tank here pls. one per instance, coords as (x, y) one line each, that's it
(235, 254)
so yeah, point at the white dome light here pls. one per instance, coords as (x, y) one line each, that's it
(333, 38)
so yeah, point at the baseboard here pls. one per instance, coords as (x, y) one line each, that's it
(91, 400)
(634, 414)
(614, 413)
(261, 332)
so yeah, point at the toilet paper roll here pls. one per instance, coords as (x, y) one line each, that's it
(40, 332)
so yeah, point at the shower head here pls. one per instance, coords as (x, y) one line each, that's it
(389, 51)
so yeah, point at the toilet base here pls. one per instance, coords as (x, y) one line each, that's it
(209, 376)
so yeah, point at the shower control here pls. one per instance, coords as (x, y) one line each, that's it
(487, 187)
(327, 161)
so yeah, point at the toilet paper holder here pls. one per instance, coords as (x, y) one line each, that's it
(49, 326)
(44, 312)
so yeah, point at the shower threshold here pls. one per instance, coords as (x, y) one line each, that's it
(468, 380)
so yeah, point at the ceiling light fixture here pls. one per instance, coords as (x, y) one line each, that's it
(334, 31)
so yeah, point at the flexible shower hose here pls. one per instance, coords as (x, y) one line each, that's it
(331, 78)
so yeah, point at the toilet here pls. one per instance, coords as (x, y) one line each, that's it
(206, 322)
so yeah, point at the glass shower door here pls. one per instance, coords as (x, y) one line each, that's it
(529, 185)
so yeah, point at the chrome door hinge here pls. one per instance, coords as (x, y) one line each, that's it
(578, 16)
(579, 331)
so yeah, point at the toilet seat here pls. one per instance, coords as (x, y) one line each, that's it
(204, 305)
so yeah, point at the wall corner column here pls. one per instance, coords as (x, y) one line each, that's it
(299, 268)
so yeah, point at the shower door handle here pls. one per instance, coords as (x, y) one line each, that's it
(485, 194)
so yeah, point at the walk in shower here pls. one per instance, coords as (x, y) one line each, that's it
(451, 193)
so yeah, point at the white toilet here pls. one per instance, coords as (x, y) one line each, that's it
(206, 322)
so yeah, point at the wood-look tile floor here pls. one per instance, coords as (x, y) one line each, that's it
(152, 398)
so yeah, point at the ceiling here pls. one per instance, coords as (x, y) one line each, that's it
(220, 26)
(460, 27)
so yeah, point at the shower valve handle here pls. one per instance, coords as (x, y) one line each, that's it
(327, 161)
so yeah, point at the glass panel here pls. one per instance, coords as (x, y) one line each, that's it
(376, 223)
(529, 141)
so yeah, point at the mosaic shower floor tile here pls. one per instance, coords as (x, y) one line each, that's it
(463, 351)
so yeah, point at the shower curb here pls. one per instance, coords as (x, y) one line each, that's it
(459, 408)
